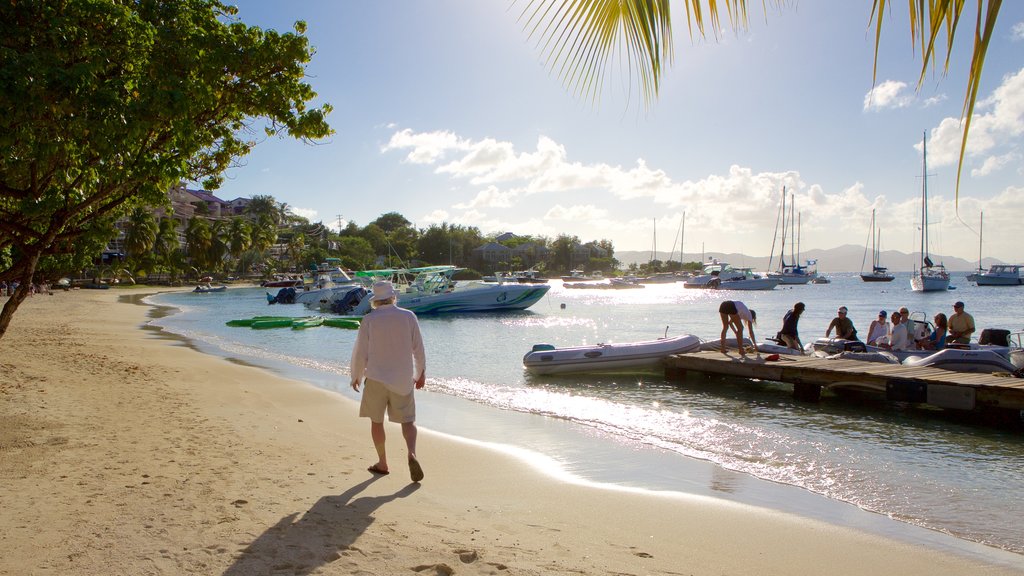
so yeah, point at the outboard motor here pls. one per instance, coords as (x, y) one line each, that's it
(284, 296)
(348, 301)
(994, 336)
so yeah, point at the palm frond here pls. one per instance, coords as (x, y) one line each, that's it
(930, 19)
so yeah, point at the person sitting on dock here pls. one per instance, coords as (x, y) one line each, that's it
(937, 339)
(733, 313)
(843, 326)
(961, 325)
(878, 331)
(898, 338)
(789, 335)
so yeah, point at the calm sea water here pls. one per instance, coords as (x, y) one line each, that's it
(639, 430)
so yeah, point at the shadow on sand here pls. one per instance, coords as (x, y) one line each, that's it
(320, 536)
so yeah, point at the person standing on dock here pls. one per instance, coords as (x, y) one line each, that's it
(733, 313)
(789, 335)
(961, 325)
(389, 354)
(843, 326)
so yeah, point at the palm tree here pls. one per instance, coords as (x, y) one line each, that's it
(198, 239)
(140, 234)
(295, 248)
(239, 240)
(264, 207)
(166, 243)
(218, 245)
(581, 37)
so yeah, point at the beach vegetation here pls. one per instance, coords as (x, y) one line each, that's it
(582, 39)
(104, 105)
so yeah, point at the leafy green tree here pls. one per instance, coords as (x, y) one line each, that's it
(105, 104)
(356, 252)
(295, 248)
(391, 222)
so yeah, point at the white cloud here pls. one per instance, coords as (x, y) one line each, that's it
(491, 197)
(934, 100)
(998, 121)
(307, 213)
(995, 163)
(1017, 33)
(888, 94)
(731, 211)
(427, 147)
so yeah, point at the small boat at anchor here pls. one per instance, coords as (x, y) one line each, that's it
(208, 289)
(547, 359)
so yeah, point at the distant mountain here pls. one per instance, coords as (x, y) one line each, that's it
(846, 258)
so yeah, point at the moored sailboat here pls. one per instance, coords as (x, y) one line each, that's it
(878, 272)
(928, 277)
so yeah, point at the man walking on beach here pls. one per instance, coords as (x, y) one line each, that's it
(389, 354)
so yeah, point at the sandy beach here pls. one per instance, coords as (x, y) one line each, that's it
(126, 452)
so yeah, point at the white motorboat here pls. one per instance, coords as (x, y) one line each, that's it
(432, 290)
(327, 287)
(547, 359)
(929, 277)
(998, 275)
(720, 275)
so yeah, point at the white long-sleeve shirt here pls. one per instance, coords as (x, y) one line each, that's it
(389, 349)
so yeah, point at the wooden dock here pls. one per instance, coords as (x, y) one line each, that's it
(810, 375)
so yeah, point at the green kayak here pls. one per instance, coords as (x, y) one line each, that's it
(282, 322)
(349, 323)
(311, 322)
(249, 321)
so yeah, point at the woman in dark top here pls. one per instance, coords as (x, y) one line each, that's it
(789, 334)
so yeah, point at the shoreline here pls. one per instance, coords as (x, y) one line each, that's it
(141, 456)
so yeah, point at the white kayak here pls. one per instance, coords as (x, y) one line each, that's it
(546, 359)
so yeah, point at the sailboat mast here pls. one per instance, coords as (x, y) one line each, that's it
(924, 199)
(981, 237)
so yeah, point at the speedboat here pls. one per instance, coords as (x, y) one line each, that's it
(547, 359)
(998, 275)
(329, 285)
(207, 289)
(432, 290)
(720, 275)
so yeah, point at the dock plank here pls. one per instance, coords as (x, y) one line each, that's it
(987, 389)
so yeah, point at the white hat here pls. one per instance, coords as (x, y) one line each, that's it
(383, 290)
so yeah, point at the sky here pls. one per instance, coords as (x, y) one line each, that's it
(447, 111)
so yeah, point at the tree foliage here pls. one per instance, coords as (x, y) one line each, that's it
(105, 104)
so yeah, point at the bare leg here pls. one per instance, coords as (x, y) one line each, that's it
(725, 330)
(378, 436)
(737, 328)
(409, 432)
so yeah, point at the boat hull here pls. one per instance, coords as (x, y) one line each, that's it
(958, 360)
(877, 277)
(608, 357)
(929, 283)
(983, 280)
(479, 298)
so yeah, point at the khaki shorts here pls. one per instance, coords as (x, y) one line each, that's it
(378, 398)
(789, 341)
